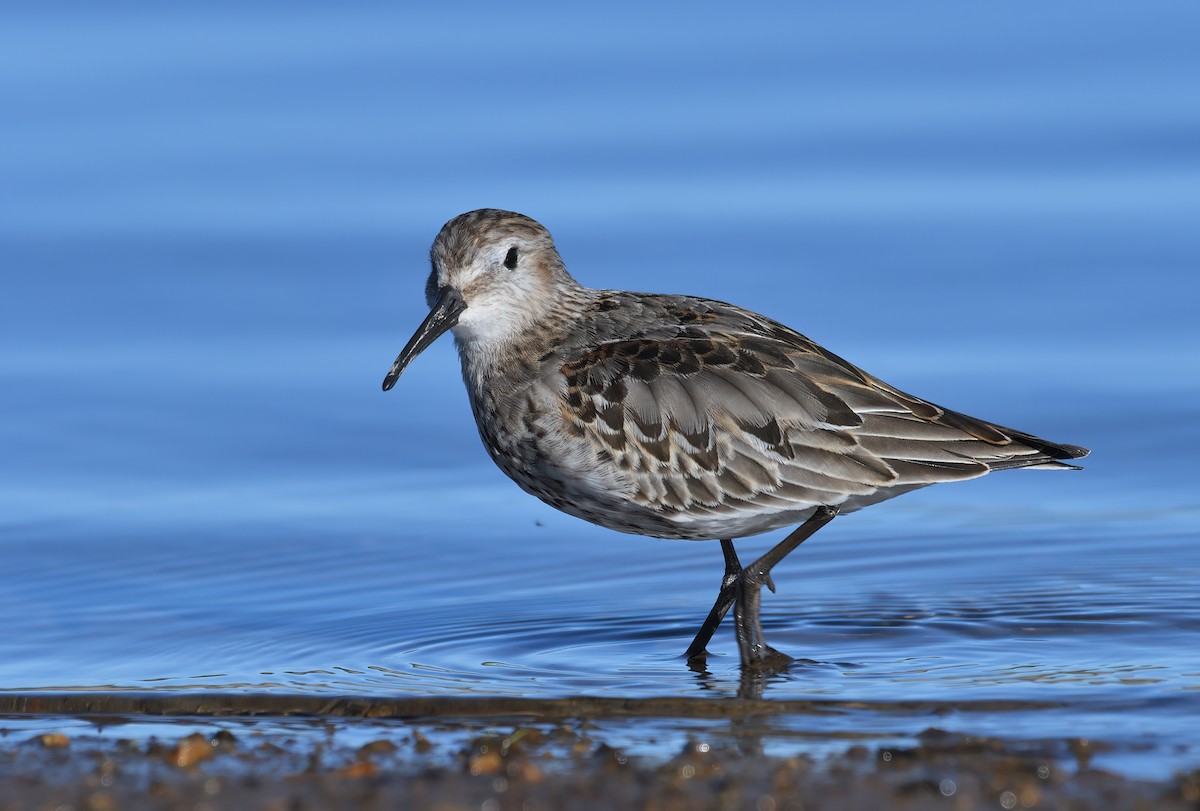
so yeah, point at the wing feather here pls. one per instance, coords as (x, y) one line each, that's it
(728, 413)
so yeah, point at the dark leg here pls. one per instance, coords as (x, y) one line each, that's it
(725, 599)
(753, 647)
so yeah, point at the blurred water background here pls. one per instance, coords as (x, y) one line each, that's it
(214, 224)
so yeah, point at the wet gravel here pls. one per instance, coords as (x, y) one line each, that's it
(532, 762)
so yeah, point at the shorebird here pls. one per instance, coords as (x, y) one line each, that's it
(681, 417)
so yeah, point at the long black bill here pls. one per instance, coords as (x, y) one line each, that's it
(443, 316)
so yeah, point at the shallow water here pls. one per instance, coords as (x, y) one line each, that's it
(214, 244)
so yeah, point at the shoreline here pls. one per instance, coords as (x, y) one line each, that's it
(498, 753)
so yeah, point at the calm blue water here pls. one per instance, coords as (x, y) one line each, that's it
(213, 234)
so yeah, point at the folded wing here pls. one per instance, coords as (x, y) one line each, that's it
(704, 422)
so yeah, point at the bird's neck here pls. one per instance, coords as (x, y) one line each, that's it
(509, 343)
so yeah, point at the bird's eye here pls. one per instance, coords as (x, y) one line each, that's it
(510, 259)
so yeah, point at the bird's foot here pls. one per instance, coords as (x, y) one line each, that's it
(765, 659)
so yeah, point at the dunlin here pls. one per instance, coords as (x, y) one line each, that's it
(682, 417)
